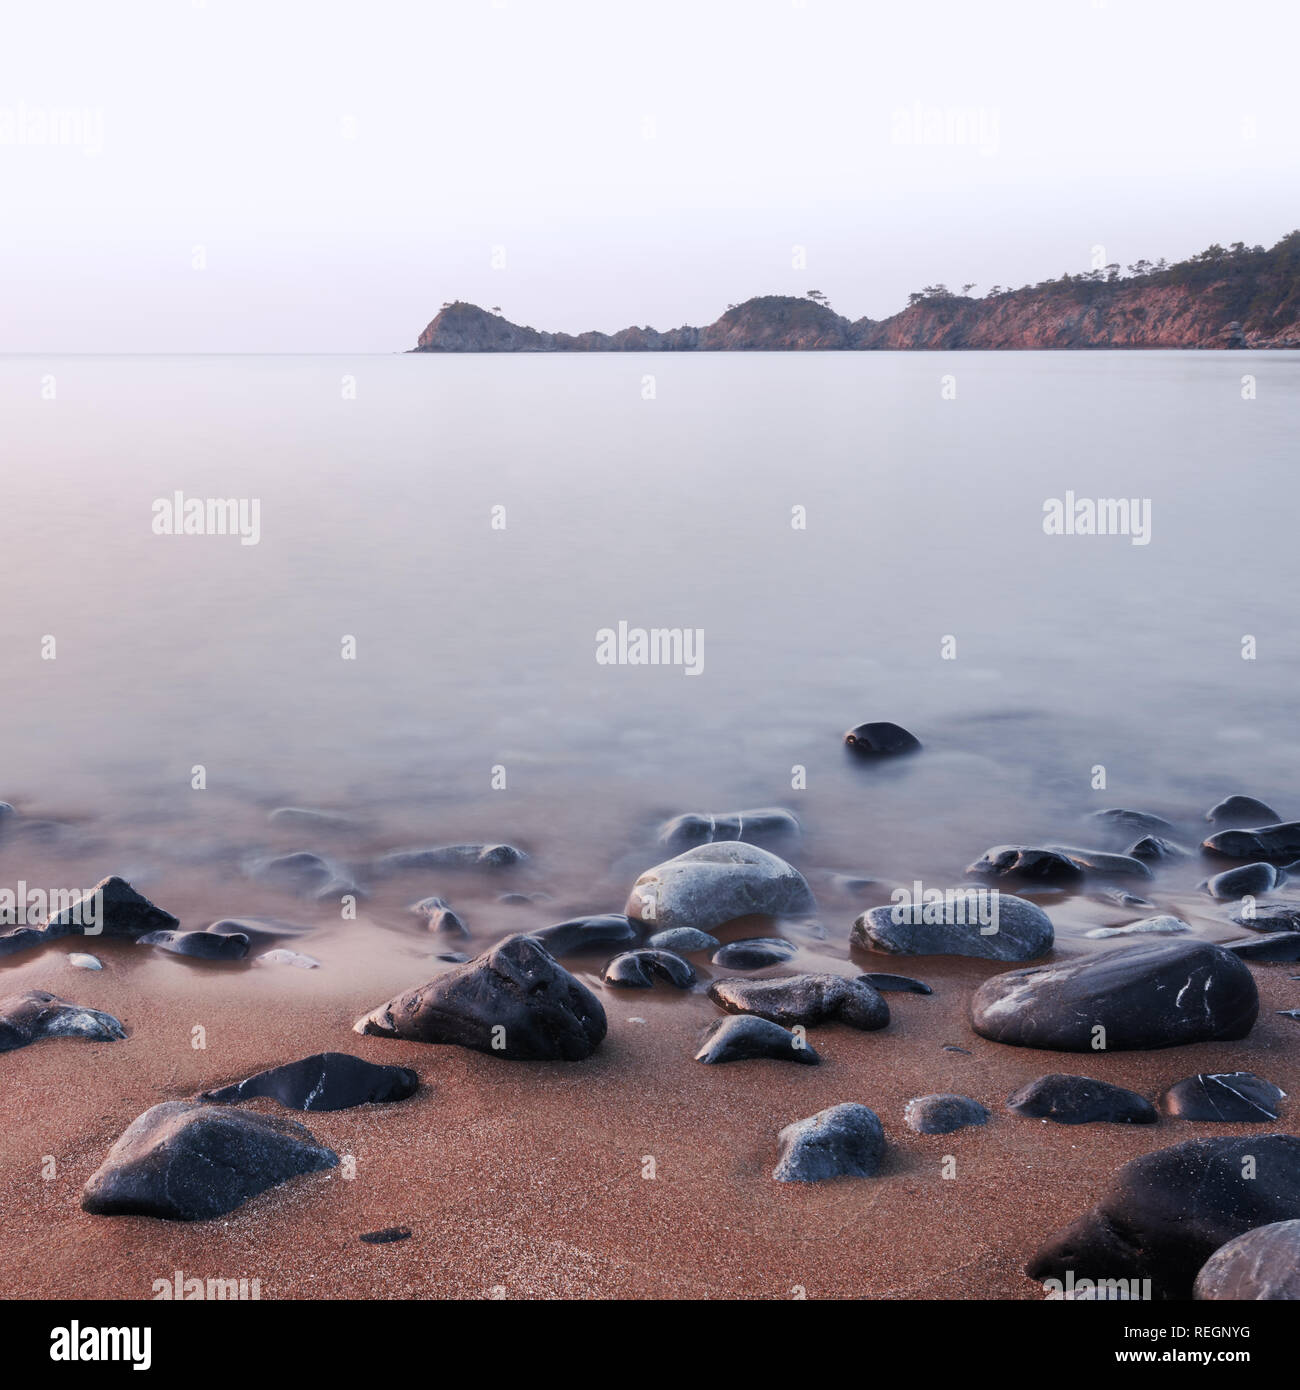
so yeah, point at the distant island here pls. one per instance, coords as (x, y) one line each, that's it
(1233, 297)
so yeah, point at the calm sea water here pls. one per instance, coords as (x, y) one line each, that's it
(476, 646)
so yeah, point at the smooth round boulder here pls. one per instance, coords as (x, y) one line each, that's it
(714, 884)
(1122, 820)
(1258, 1265)
(880, 740)
(1245, 881)
(1233, 1097)
(27, 1018)
(842, 1141)
(943, 1113)
(198, 945)
(640, 969)
(1025, 864)
(1081, 1100)
(683, 940)
(1276, 842)
(807, 999)
(766, 823)
(1097, 863)
(1236, 811)
(979, 922)
(581, 934)
(754, 953)
(903, 984)
(1155, 849)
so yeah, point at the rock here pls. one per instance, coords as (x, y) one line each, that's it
(1152, 849)
(881, 740)
(451, 857)
(188, 1162)
(740, 1038)
(1235, 811)
(952, 1047)
(1275, 917)
(1159, 926)
(854, 885)
(302, 818)
(326, 1081)
(439, 917)
(806, 999)
(895, 982)
(1270, 947)
(515, 994)
(259, 930)
(1263, 1264)
(1234, 1097)
(282, 957)
(587, 934)
(1152, 995)
(121, 912)
(971, 922)
(1166, 1212)
(1289, 1013)
(754, 953)
(941, 1114)
(1080, 1100)
(640, 969)
(455, 957)
(7, 813)
(713, 884)
(1246, 880)
(683, 940)
(387, 1236)
(767, 823)
(1097, 864)
(23, 939)
(523, 899)
(200, 945)
(843, 1141)
(1024, 864)
(1132, 822)
(301, 872)
(81, 961)
(1264, 842)
(1125, 899)
(27, 1018)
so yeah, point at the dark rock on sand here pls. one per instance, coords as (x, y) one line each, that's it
(1024, 864)
(1268, 948)
(259, 930)
(754, 953)
(807, 999)
(766, 823)
(640, 969)
(187, 1162)
(124, 912)
(326, 1081)
(1281, 842)
(1157, 994)
(1259, 1265)
(451, 857)
(1096, 863)
(1080, 1100)
(1235, 811)
(513, 1001)
(1234, 1097)
(454, 957)
(387, 1236)
(1246, 880)
(843, 1141)
(200, 945)
(1132, 822)
(587, 934)
(901, 983)
(23, 939)
(746, 1036)
(439, 917)
(941, 1114)
(713, 884)
(27, 1018)
(989, 925)
(683, 940)
(1167, 1212)
(880, 740)
(1153, 849)
(1276, 917)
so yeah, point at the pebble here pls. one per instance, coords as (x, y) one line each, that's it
(1161, 926)
(943, 1113)
(807, 999)
(1246, 880)
(745, 1036)
(986, 924)
(199, 945)
(1234, 1097)
(901, 983)
(640, 969)
(282, 957)
(325, 1081)
(82, 961)
(1235, 811)
(439, 917)
(754, 827)
(842, 1141)
(27, 1018)
(1081, 1100)
(683, 940)
(881, 740)
(754, 953)
(713, 884)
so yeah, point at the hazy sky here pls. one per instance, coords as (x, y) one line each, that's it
(341, 169)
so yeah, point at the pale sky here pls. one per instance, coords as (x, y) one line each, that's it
(341, 169)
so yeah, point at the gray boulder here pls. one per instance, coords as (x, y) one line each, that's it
(987, 924)
(1262, 1264)
(843, 1141)
(713, 884)
(807, 999)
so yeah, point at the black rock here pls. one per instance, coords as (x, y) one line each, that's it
(886, 983)
(187, 1162)
(1152, 849)
(1235, 811)
(1024, 864)
(1234, 1097)
(1132, 822)
(455, 957)
(941, 1114)
(439, 917)
(260, 931)
(1156, 994)
(1263, 1264)
(844, 1141)
(587, 934)
(1270, 947)
(683, 940)
(23, 939)
(806, 999)
(123, 912)
(201, 945)
(300, 872)
(1096, 863)
(1246, 880)
(1125, 898)
(981, 922)
(513, 1001)
(880, 740)
(451, 857)
(754, 953)
(1280, 842)
(387, 1236)
(26, 1018)
(326, 1081)
(766, 824)
(1274, 917)
(740, 1038)
(1168, 1211)
(1080, 1100)
(640, 969)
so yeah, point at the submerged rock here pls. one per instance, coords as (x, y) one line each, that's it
(27, 1018)
(1097, 864)
(1270, 947)
(683, 940)
(1263, 1264)
(451, 857)
(1246, 880)
(900, 983)
(1275, 917)
(1264, 842)
(1167, 1212)
(325, 1081)
(1159, 926)
(1234, 1097)
(200, 945)
(1081, 1100)
(843, 1141)
(713, 884)
(303, 818)
(746, 1036)
(188, 1162)
(439, 917)
(987, 924)
(766, 823)
(1152, 849)
(754, 953)
(1152, 995)
(587, 934)
(23, 939)
(640, 969)
(259, 930)
(1132, 822)
(881, 740)
(807, 999)
(514, 1001)
(282, 957)
(1025, 864)
(1235, 811)
(942, 1114)
(122, 912)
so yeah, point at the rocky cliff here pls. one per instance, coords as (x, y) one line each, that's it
(1240, 297)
